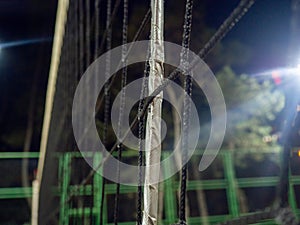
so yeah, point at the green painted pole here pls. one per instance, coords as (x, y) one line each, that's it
(170, 201)
(292, 197)
(66, 176)
(97, 190)
(231, 189)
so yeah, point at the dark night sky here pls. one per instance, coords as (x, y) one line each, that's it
(23, 20)
(265, 29)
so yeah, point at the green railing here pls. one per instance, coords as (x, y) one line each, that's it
(230, 184)
(16, 192)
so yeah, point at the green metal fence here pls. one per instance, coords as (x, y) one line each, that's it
(16, 192)
(229, 183)
(68, 213)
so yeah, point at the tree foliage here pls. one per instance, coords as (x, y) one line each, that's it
(252, 106)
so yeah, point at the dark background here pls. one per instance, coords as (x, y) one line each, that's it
(265, 30)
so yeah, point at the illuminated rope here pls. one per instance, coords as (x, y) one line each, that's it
(141, 136)
(106, 93)
(187, 27)
(122, 103)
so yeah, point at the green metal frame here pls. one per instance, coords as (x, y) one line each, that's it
(17, 192)
(230, 184)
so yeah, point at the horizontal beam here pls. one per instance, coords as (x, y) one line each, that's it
(109, 189)
(19, 155)
(15, 192)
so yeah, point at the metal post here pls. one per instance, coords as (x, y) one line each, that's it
(292, 196)
(169, 195)
(153, 125)
(97, 189)
(66, 176)
(231, 182)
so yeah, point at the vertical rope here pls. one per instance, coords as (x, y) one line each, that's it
(106, 93)
(288, 132)
(76, 44)
(87, 32)
(87, 63)
(96, 53)
(81, 69)
(141, 123)
(77, 68)
(109, 24)
(122, 104)
(186, 106)
(73, 60)
(97, 28)
(73, 69)
(81, 38)
(141, 135)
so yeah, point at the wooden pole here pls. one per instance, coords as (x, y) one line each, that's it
(61, 17)
(153, 124)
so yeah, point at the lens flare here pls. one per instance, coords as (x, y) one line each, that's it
(23, 42)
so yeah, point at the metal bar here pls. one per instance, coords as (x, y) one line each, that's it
(66, 176)
(15, 192)
(19, 155)
(63, 196)
(292, 197)
(231, 190)
(230, 183)
(97, 188)
(111, 189)
(170, 197)
(257, 182)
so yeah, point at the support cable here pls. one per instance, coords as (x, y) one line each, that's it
(96, 53)
(88, 61)
(78, 69)
(141, 122)
(186, 106)
(122, 104)
(141, 136)
(82, 64)
(106, 93)
(81, 39)
(87, 32)
(136, 37)
(97, 29)
(107, 31)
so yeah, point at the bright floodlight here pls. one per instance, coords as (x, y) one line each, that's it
(298, 63)
(298, 67)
